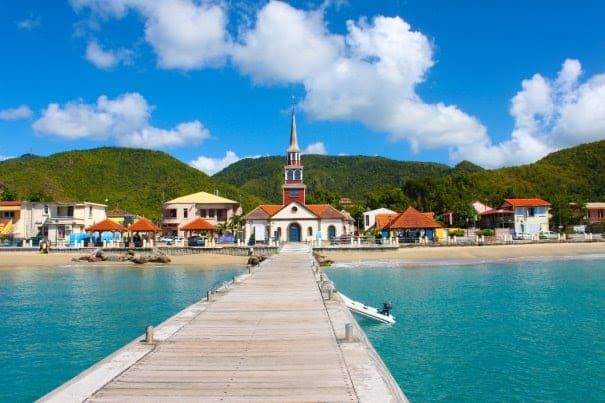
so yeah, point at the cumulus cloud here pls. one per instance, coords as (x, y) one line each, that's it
(125, 119)
(368, 75)
(316, 148)
(211, 166)
(105, 59)
(286, 45)
(549, 114)
(184, 34)
(21, 112)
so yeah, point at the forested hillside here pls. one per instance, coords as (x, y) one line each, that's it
(340, 176)
(135, 180)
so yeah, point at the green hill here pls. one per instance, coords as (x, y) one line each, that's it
(347, 176)
(135, 180)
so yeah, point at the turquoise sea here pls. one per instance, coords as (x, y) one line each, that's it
(516, 331)
(56, 322)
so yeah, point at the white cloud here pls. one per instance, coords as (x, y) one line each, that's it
(105, 59)
(125, 119)
(21, 112)
(30, 23)
(4, 158)
(316, 148)
(184, 34)
(549, 115)
(368, 74)
(211, 166)
(286, 45)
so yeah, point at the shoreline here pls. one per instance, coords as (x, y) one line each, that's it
(420, 255)
(29, 259)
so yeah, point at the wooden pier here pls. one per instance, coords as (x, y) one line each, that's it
(272, 336)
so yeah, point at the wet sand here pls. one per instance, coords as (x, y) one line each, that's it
(470, 253)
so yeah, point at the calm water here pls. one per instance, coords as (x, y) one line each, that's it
(57, 322)
(500, 332)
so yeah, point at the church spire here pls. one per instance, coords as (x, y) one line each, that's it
(293, 138)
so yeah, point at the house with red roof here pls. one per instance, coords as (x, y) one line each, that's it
(294, 220)
(410, 224)
(529, 216)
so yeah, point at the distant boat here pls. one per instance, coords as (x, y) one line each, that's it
(369, 312)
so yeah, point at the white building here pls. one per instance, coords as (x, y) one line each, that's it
(294, 220)
(55, 221)
(369, 217)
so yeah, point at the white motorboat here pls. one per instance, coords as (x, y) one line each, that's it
(383, 316)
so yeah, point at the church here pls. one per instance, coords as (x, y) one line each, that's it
(294, 220)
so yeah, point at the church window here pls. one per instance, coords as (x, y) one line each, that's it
(298, 175)
(293, 192)
(290, 175)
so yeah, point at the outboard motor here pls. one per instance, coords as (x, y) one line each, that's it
(386, 308)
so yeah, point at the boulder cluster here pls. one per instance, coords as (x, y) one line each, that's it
(156, 256)
(255, 260)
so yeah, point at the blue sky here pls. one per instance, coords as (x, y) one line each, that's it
(498, 83)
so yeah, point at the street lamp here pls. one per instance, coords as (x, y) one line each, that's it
(467, 226)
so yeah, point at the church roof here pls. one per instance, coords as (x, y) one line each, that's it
(266, 211)
(202, 198)
(263, 211)
(293, 138)
(324, 211)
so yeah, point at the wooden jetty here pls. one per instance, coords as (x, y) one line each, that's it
(271, 336)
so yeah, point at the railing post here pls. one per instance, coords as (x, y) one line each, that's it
(149, 335)
(349, 332)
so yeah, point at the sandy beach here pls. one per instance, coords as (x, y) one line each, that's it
(470, 254)
(411, 255)
(36, 259)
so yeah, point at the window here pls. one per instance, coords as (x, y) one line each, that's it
(531, 211)
(293, 192)
(367, 221)
(519, 211)
(203, 213)
(185, 213)
(70, 211)
(290, 175)
(221, 214)
(298, 175)
(45, 210)
(89, 211)
(170, 213)
(211, 213)
(310, 231)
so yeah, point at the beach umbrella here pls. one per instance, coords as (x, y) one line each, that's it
(106, 225)
(144, 225)
(199, 224)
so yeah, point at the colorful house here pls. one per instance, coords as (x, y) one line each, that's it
(294, 220)
(409, 225)
(530, 216)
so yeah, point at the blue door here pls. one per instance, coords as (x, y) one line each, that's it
(331, 232)
(294, 233)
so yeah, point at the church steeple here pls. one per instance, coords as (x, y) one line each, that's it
(293, 189)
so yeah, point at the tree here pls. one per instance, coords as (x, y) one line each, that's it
(8, 194)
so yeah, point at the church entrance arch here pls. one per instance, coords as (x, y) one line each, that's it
(294, 233)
